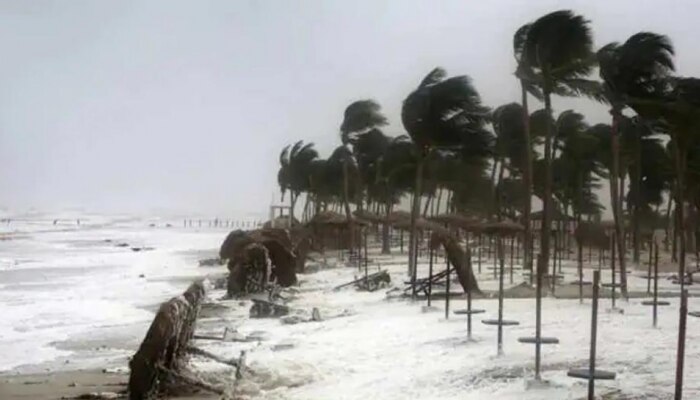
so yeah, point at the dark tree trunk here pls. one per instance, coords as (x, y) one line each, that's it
(346, 203)
(615, 199)
(415, 210)
(543, 260)
(527, 180)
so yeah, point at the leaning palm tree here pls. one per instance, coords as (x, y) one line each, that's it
(442, 113)
(630, 72)
(557, 51)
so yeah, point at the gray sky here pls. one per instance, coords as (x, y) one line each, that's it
(185, 105)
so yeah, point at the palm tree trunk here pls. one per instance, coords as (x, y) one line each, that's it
(386, 243)
(499, 206)
(427, 205)
(346, 203)
(415, 209)
(615, 198)
(680, 194)
(527, 180)
(543, 260)
(292, 203)
(439, 200)
(635, 184)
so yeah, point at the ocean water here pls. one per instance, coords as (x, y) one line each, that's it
(63, 282)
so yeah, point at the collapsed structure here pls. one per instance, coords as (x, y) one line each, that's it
(258, 258)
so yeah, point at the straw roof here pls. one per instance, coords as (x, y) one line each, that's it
(330, 218)
(503, 228)
(369, 216)
(457, 221)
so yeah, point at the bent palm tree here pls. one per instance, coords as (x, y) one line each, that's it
(442, 113)
(557, 50)
(630, 72)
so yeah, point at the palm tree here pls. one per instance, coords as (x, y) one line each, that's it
(511, 139)
(557, 50)
(359, 117)
(442, 113)
(526, 78)
(630, 72)
(294, 172)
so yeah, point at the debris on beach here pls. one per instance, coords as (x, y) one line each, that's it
(370, 283)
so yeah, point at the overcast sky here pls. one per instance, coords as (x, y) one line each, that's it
(185, 105)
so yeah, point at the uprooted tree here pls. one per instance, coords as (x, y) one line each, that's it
(162, 351)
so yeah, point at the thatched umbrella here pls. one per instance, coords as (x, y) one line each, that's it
(238, 249)
(369, 216)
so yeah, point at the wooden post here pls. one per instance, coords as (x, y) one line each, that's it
(651, 252)
(680, 354)
(447, 291)
(594, 335)
(656, 280)
(479, 253)
(495, 256)
(401, 239)
(430, 275)
(580, 272)
(501, 256)
(512, 252)
(366, 257)
(538, 319)
(554, 266)
(612, 267)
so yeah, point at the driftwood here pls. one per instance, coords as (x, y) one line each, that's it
(377, 277)
(267, 309)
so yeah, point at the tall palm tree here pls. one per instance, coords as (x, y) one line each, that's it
(630, 72)
(526, 78)
(442, 113)
(558, 51)
(359, 117)
(509, 127)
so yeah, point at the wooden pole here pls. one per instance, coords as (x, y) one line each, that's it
(430, 275)
(479, 253)
(538, 320)
(594, 335)
(680, 354)
(656, 281)
(447, 292)
(612, 267)
(500, 293)
(651, 252)
(512, 252)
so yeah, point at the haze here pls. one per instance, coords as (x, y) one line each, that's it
(185, 105)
